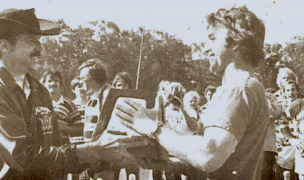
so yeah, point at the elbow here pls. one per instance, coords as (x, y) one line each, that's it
(213, 162)
(213, 165)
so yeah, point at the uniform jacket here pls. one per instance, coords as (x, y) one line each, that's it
(32, 124)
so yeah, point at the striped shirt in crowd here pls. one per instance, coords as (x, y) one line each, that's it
(66, 110)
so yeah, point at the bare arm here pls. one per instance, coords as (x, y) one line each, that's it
(208, 152)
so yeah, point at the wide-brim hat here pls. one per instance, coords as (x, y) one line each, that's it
(17, 20)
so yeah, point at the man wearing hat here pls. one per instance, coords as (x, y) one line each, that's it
(30, 142)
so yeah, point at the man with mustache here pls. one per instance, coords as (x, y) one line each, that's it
(31, 146)
(69, 119)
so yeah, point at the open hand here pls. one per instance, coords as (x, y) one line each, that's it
(136, 117)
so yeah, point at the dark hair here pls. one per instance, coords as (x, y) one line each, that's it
(244, 29)
(97, 70)
(212, 89)
(75, 82)
(123, 76)
(52, 74)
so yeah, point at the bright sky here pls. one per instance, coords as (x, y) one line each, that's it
(184, 18)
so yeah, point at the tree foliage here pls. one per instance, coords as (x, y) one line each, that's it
(163, 55)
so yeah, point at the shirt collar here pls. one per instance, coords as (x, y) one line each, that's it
(233, 76)
(25, 85)
(103, 87)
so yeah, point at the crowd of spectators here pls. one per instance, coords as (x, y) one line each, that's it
(283, 150)
(181, 108)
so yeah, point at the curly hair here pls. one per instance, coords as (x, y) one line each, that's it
(244, 29)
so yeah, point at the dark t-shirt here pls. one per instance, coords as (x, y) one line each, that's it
(240, 107)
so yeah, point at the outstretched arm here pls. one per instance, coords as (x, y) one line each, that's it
(208, 152)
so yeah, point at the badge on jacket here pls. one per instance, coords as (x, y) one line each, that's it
(44, 114)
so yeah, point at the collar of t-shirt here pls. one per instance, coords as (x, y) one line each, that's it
(233, 76)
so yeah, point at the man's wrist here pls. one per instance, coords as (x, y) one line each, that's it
(153, 135)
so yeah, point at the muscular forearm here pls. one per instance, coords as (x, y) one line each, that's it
(188, 148)
(208, 152)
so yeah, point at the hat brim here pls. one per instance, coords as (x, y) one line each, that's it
(47, 28)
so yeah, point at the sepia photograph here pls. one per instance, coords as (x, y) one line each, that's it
(151, 90)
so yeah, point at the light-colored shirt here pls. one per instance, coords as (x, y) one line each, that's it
(240, 107)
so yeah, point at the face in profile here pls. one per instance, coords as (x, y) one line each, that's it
(52, 84)
(218, 53)
(27, 46)
(79, 90)
(85, 80)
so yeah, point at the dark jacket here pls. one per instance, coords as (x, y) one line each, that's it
(32, 124)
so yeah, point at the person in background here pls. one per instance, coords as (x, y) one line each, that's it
(93, 76)
(291, 92)
(297, 112)
(122, 80)
(191, 100)
(270, 148)
(284, 74)
(81, 98)
(67, 113)
(172, 94)
(287, 140)
(209, 91)
(78, 89)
